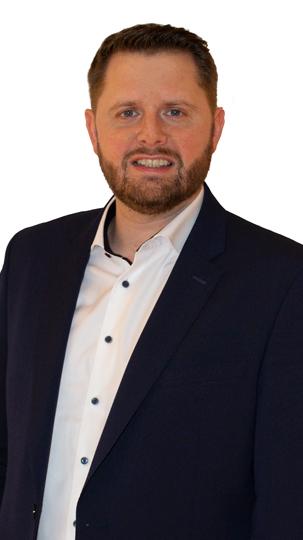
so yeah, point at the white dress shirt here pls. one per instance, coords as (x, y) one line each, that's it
(114, 303)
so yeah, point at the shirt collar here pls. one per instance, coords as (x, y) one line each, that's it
(107, 215)
(176, 231)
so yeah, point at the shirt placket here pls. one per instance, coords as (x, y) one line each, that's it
(98, 399)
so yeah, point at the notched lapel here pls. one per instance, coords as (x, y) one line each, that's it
(190, 285)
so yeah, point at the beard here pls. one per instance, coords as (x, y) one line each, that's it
(156, 194)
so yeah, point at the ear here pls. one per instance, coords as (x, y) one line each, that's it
(219, 118)
(91, 128)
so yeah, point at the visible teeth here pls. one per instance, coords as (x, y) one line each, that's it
(153, 162)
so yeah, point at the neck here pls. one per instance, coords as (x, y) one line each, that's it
(130, 229)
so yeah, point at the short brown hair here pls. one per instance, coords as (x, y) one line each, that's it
(149, 39)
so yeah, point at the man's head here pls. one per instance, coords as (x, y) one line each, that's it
(153, 96)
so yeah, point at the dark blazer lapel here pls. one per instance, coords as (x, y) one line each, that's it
(57, 270)
(190, 284)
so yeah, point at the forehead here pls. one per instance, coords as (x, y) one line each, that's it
(136, 74)
(171, 60)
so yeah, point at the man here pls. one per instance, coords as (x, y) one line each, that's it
(151, 351)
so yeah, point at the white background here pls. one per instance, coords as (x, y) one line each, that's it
(47, 167)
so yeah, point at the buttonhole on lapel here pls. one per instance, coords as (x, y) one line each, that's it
(200, 280)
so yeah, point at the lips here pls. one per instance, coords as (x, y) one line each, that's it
(152, 162)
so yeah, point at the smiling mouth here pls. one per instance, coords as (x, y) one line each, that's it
(153, 163)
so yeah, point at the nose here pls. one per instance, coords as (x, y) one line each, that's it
(151, 131)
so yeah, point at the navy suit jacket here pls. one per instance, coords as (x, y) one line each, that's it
(204, 440)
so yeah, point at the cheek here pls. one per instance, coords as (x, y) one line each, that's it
(115, 143)
(192, 147)
(113, 147)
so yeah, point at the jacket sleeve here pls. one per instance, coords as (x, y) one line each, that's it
(278, 459)
(3, 360)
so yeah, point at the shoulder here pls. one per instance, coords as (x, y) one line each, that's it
(246, 242)
(63, 225)
(245, 233)
(256, 246)
(60, 224)
(49, 235)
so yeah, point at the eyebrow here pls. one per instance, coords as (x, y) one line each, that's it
(123, 104)
(180, 102)
(175, 103)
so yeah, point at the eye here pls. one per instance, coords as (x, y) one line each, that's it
(129, 113)
(174, 113)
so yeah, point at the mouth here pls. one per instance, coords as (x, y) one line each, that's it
(152, 164)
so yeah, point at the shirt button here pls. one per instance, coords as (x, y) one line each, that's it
(84, 460)
(94, 401)
(74, 523)
(108, 339)
(125, 283)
